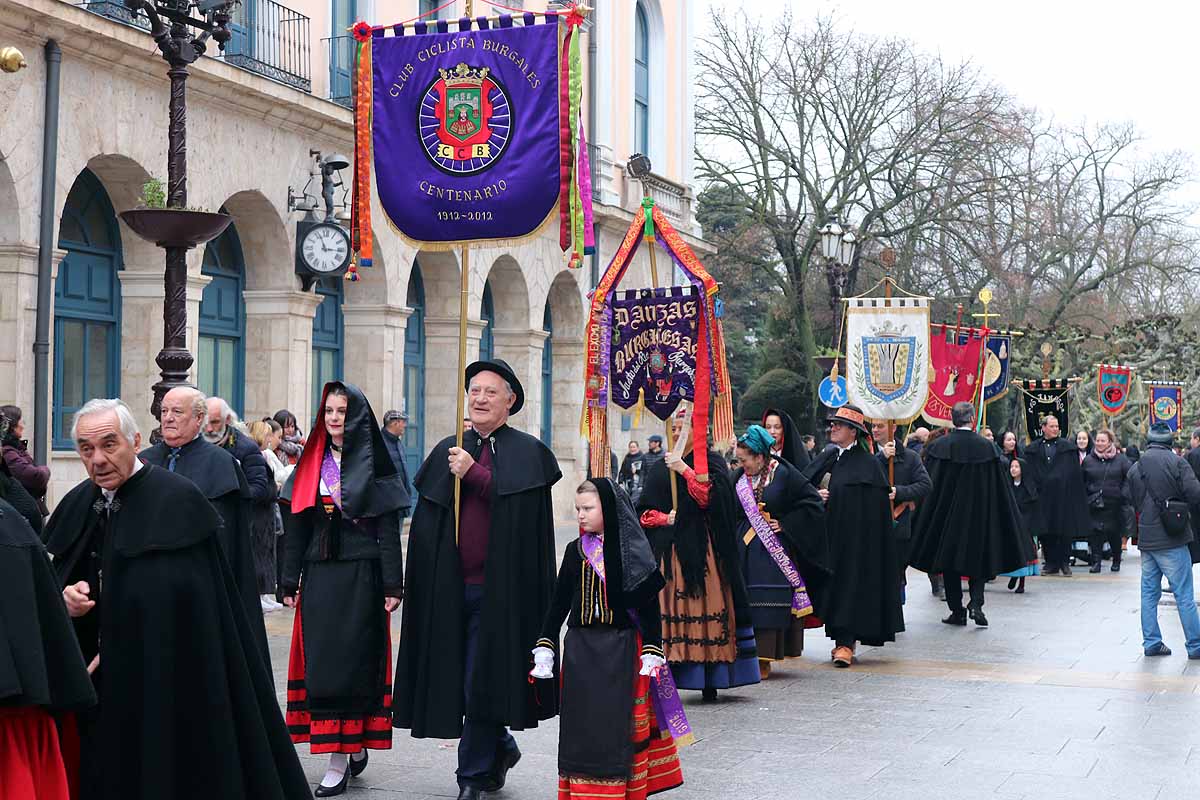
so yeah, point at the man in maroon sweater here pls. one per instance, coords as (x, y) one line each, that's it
(473, 608)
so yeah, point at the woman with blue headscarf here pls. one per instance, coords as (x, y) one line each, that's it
(782, 547)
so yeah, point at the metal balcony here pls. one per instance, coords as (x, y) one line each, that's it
(272, 40)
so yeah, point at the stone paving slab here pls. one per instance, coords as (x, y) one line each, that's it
(1053, 700)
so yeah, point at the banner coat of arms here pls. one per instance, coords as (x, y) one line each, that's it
(1112, 387)
(957, 358)
(887, 353)
(474, 130)
(1166, 403)
(1042, 397)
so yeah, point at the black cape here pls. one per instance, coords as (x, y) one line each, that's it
(181, 683)
(970, 524)
(862, 600)
(794, 502)
(218, 476)
(632, 576)
(693, 525)
(40, 660)
(20, 499)
(518, 589)
(794, 452)
(1055, 469)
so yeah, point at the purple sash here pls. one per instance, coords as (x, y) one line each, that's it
(331, 475)
(801, 604)
(668, 708)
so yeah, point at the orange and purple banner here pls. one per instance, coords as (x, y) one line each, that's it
(474, 128)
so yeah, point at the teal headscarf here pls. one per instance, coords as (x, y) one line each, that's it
(757, 440)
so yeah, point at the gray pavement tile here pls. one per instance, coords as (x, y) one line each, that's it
(1058, 765)
(1096, 788)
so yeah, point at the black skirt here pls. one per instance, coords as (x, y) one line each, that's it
(596, 712)
(345, 635)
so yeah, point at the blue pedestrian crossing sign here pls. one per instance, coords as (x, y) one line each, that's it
(833, 392)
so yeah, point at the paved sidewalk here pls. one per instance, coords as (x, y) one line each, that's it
(1054, 700)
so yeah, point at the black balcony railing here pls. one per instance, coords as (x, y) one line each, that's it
(114, 9)
(594, 164)
(272, 40)
(340, 50)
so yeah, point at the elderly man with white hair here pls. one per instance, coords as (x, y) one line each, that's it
(475, 598)
(219, 477)
(186, 707)
(222, 429)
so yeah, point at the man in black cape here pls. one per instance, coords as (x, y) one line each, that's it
(1054, 466)
(471, 612)
(862, 599)
(218, 475)
(187, 709)
(910, 483)
(970, 525)
(43, 679)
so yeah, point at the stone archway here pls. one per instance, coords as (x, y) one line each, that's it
(565, 304)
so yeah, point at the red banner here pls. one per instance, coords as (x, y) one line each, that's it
(957, 362)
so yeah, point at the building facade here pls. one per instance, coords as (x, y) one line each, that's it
(280, 90)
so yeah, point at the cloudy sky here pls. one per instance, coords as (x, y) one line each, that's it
(1098, 61)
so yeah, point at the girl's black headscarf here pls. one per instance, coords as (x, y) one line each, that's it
(794, 452)
(631, 572)
(371, 485)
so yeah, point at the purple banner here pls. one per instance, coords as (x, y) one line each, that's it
(654, 347)
(466, 131)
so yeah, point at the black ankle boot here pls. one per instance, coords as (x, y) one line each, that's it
(1097, 565)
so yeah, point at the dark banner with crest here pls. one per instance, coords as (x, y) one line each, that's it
(1046, 397)
(654, 347)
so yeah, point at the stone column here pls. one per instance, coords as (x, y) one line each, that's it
(279, 352)
(18, 312)
(522, 349)
(443, 382)
(373, 353)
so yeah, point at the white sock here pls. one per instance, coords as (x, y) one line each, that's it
(337, 769)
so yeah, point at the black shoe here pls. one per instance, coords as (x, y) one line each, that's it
(1021, 587)
(1158, 650)
(708, 695)
(1012, 584)
(504, 763)
(1096, 567)
(333, 791)
(357, 766)
(470, 793)
(956, 618)
(976, 613)
(1050, 571)
(1066, 570)
(1116, 567)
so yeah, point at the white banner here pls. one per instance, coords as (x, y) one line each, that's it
(887, 356)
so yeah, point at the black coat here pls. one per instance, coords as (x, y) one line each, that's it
(254, 465)
(518, 586)
(180, 681)
(40, 660)
(219, 477)
(12, 491)
(1162, 474)
(1054, 467)
(862, 600)
(794, 502)
(912, 483)
(970, 524)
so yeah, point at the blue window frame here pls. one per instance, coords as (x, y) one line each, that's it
(328, 334)
(414, 373)
(426, 7)
(641, 82)
(221, 356)
(341, 55)
(87, 305)
(487, 312)
(547, 377)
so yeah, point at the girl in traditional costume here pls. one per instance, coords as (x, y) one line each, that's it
(343, 575)
(782, 544)
(1031, 522)
(617, 696)
(708, 635)
(789, 445)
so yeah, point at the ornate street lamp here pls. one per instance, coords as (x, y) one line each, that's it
(831, 239)
(839, 246)
(176, 228)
